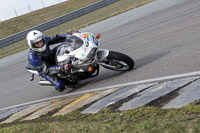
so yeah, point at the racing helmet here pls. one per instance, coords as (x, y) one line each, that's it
(33, 37)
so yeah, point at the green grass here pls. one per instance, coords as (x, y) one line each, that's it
(143, 119)
(26, 21)
(34, 18)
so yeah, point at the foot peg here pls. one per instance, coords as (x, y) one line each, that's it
(32, 77)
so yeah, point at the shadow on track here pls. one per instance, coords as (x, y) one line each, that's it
(104, 74)
(149, 59)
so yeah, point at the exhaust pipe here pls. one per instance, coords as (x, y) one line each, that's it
(45, 83)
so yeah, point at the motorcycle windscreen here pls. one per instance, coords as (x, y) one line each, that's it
(71, 43)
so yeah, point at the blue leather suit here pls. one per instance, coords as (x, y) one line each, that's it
(44, 63)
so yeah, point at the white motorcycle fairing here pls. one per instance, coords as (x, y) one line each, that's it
(86, 50)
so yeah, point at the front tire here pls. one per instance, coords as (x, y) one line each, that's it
(118, 61)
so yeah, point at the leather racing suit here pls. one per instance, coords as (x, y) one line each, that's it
(44, 63)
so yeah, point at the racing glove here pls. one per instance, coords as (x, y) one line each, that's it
(57, 39)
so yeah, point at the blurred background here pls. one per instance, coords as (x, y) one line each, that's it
(13, 8)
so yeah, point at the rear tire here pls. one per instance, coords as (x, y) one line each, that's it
(118, 61)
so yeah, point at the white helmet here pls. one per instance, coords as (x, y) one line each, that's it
(33, 37)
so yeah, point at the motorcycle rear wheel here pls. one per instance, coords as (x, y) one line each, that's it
(118, 61)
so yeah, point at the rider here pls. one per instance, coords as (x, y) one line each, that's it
(42, 58)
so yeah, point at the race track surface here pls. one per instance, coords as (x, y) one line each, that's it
(162, 43)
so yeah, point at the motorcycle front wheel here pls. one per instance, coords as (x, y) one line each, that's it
(118, 61)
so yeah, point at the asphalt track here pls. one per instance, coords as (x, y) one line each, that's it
(162, 43)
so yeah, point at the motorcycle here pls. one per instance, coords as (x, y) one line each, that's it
(82, 50)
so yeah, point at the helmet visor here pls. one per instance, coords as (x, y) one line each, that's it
(39, 44)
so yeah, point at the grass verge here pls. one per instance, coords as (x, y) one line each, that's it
(143, 119)
(20, 23)
(31, 19)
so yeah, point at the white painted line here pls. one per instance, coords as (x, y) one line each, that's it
(192, 74)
